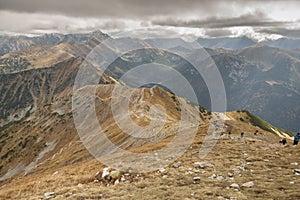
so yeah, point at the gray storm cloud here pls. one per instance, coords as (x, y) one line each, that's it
(111, 8)
(255, 19)
(208, 17)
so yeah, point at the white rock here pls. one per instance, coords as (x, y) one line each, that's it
(176, 165)
(235, 186)
(80, 185)
(197, 178)
(213, 176)
(220, 178)
(105, 172)
(49, 195)
(297, 171)
(241, 168)
(202, 165)
(294, 163)
(123, 178)
(116, 182)
(248, 184)
(230, 174)
(162, 170)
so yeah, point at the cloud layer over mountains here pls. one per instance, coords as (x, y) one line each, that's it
(257, 19)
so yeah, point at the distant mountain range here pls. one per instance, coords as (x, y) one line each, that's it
(258, 77)
(243, 42)
(9, 44)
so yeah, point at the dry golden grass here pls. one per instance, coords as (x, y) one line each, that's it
(269, 167)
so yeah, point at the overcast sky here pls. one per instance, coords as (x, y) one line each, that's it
(208, 18)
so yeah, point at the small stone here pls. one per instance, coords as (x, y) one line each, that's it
(176, 165)
(234, 186)
(213, 176)
(294, 163)
(220, 178)
(197, 178)
(202, 165)
(248, 184)
(80, 185)
(297, 171)
(116, 182)
(292, 182)
(164, 176)
(230, 174)
(49, 195)
(162, 170)
(241, 168)
(123, 179)
(105, 172)
(55, 173)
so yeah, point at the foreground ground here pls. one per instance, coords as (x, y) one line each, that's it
(260, 159)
